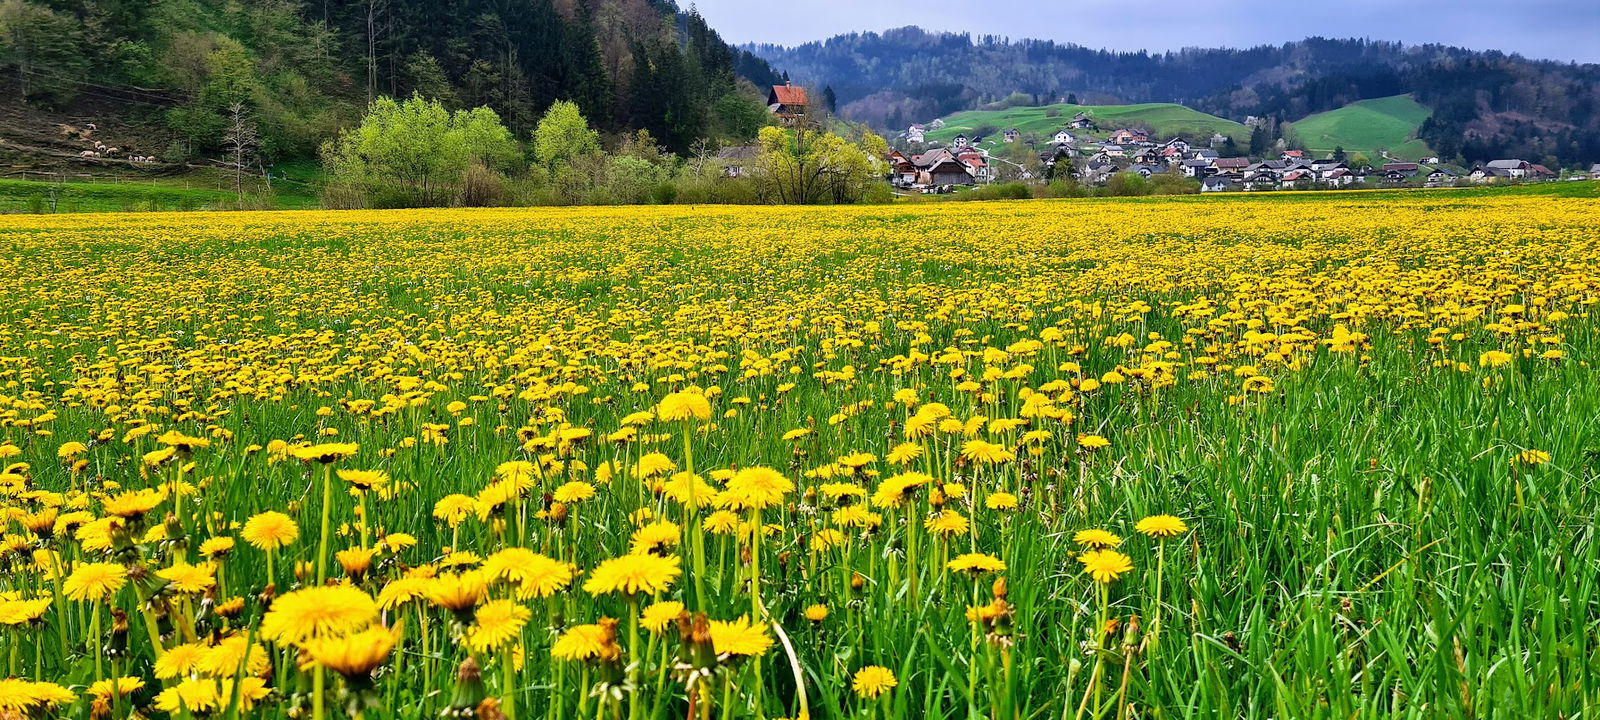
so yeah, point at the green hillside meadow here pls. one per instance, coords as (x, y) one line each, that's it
(1164, 119)
(1388, 123)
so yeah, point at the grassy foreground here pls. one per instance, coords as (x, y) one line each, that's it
(776, 462)
(36, 197)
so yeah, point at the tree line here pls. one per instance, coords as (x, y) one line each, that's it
(418, 152)
(300, 70)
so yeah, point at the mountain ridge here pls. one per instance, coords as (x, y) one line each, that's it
(1485, 103)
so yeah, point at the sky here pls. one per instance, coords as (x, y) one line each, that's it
(1551, 29)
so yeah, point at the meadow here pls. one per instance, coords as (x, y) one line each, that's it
(1153, 458)
(1164, 119)
(1366, 126)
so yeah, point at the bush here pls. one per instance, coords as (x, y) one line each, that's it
(1062, 188)
(664, 193)
(177, 152)
(1004, 191)
(343, 196)
(878, 194)
(482, 187)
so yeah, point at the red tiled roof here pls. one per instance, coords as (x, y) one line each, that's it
(789, 94)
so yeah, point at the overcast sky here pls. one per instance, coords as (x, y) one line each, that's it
(1554, 29)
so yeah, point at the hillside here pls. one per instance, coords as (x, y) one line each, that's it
(1163, 119)
(1367, 126)
(1485, 104)
(169, 78)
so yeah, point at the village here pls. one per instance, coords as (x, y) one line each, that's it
(1081, 152)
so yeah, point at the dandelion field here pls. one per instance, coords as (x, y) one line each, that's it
(1178, 458)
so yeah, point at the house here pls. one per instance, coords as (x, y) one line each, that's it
(1399, 172)
(1147, 156)
(1263, 179)
(788, 103)
(1540, 172)
(1594, 170)
(1144, 170)
(1129, 137)
(1081, 121)
(961, 142)
(1293, 177)
(1063, 138)
(1513, 169)
(1111, 150)
(1230, 166)
(1442, 175)
(1338, 177)
(1218, 184)
(950, 171)
(1012, 135)
(981, 169)
(916, 134)
(1196, 168)
(1097, 171)
(1293, 155)
(735, 160)
(902, 171)
(1178, 144)
(1055, 154)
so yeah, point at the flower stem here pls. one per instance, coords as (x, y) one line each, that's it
(508, 671)
(327, 516)
(697, 544)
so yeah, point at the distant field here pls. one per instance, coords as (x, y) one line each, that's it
(1164, 119)
(31, 196)
(1390, 123)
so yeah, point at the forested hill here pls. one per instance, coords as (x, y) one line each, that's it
(1485, 104)
(175, 69)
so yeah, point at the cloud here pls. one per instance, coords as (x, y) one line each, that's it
(1555, 29)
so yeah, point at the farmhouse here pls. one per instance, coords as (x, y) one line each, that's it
(950, 171)
(787, 102)
(1081, 122)
(1063, 138)
(1399, 172)
(1129, 137)
(1230, 166)
(734, 160)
